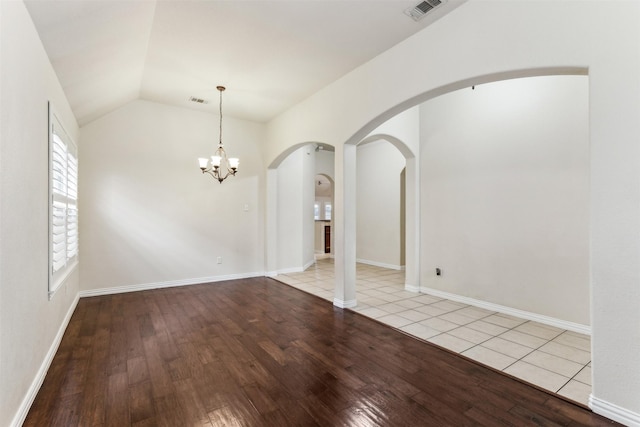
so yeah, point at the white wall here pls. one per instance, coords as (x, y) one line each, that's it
(150, 217)
(295, 221)
(30, 324)
(378, 198)
(403, 132)
(290, 212)
(483, 41)
(505, 191)
(325, 160)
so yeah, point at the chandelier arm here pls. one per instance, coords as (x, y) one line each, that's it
(216, 174)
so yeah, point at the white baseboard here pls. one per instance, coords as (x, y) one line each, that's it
(296, 269)
(380, 264)
(309, 264)
(271, 273)
(344, 304)
(411, 288)
(614, 412)
(551, 321)
(290, 270)
(167, 284)
(23, 410)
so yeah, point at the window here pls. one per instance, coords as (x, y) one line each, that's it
(327, 211)
(63, 196)
(322, 210)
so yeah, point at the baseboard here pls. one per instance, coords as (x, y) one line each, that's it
(23, 410)
(551, 321)
(290, 270)
(296, 269)
(380, 264)
(344, 304)
(614, 412)
(411, 288)
(167, 284)
(309, 264)
(271, 273)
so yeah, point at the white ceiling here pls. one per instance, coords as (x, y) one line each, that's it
(269, 54)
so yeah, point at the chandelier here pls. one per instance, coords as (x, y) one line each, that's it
(221, 166)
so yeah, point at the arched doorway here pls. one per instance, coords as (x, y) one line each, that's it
(322, 215)
(392, 132)
(290, 200)
(521, 193)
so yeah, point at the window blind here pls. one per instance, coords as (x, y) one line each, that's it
(63, 230)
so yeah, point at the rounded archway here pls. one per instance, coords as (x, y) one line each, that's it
(290, 199)
(417, 70)
(322, 215)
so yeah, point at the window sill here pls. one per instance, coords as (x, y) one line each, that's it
(59, 281)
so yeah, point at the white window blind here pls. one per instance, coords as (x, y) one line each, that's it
(63, 172)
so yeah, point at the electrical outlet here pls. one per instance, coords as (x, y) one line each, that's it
(219, 260)
(438, 272)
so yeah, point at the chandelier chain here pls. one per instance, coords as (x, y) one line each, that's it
(220, 108)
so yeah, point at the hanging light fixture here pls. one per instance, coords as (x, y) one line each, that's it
(221, 166)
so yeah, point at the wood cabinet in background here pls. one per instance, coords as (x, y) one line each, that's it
(327, 239)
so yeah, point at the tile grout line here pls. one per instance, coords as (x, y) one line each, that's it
(371, 286)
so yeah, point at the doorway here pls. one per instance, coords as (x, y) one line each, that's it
(322, 215)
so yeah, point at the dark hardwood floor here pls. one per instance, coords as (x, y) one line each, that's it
(257, 352)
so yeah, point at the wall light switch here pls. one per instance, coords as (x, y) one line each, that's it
(246, 207)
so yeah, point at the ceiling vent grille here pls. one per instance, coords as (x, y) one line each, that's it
(422, 8)
(198, 100)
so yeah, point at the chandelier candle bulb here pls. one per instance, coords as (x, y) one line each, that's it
(233, 162)
(203, 162)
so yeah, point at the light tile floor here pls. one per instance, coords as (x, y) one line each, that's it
(551, 358)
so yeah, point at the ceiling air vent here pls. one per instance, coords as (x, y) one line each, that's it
(422, 8)
(198, 100)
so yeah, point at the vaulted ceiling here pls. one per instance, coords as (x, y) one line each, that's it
(270, 54)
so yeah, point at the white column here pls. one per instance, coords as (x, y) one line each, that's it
(345, 227)
(412, 225)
